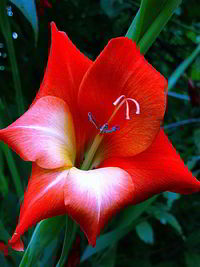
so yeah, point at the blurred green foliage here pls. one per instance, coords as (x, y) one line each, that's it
(167, 233)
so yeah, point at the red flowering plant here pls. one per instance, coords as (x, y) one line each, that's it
(94, 136)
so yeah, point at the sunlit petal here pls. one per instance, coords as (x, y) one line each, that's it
(44, 134)
(44, 198)
(93, 197)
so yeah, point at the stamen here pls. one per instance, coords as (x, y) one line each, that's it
(113, 129)
(103, 128)
(92, 120)
(136, 103)
(118, 100)
(127, 111)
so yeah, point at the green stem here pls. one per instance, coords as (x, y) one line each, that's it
(7, 33)
(70, 234)
(157, 25)
(13, 169)
(90, 155)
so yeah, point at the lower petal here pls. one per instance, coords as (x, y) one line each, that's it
(93, 197)
(157, 169)
(44, 198)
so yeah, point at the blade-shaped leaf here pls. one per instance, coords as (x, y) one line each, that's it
(150, 20)
(144, 18)
(6, 30)
(145, 232)
(125, 225)
(28, 9)
(182, 67)
(45, 232)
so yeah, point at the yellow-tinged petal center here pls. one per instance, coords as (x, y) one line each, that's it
(104, 128)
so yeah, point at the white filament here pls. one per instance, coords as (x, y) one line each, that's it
(125, 100)
(118, 100)
(136, 103)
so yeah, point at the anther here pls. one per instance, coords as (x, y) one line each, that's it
(136, 103)
(125, 100)
(127, 111)
(104, 129)
(118, 100)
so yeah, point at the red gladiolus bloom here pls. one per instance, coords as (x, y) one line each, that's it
(93, 135)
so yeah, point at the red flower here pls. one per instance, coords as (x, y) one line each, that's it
(105, 115)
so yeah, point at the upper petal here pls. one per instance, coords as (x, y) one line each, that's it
(122, 70)
(44, 134)
(65, 69)
(93, 197)
(43, 198)
(64, 73)
(157, 169)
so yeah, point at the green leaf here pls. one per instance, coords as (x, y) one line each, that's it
(166, 217)
(150, 20)
(45, 232)
(7, 33)
(108, 259)
(171, 198)
(181, 68)
(130, 215)
(13, 169)
(70, 233)
(158, 24)
(144, 18)
(161, 214)
(4, 236)
(192, 259)
(193, 239)
(195, 70)
(28, 8)
(145, 232)
(104, 241)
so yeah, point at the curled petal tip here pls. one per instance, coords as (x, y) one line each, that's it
(53, 25)
(16, 243)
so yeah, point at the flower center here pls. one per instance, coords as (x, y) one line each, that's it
(104, 128)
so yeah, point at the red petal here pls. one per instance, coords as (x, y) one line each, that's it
(93, 197)
(122, 70)
(44, 134)
(157, 169)
(16, 243)
(65, 70)
(44, 198)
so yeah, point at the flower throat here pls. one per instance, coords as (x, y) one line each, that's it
(104, 128)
